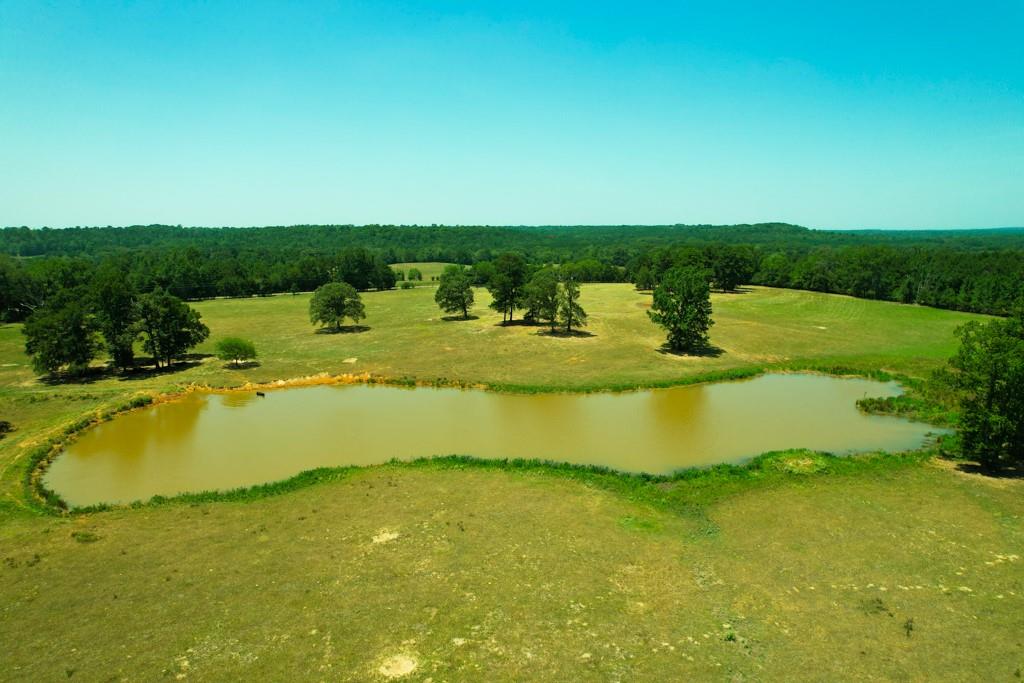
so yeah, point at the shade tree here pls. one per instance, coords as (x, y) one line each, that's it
(62, 334)
(115, 302)
(454, 292)
(570, 312)
(682, 306)
(506, 284)
(332, 303)
(540, 297)
(235, 350)
(169, 327)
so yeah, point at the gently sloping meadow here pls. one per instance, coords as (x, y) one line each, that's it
(408, 340)
(798, 566)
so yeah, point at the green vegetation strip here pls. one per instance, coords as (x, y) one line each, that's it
(702, 485)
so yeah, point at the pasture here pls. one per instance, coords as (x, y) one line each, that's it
(804, 568)
(429, 270)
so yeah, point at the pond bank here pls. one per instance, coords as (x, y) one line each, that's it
(234, 439)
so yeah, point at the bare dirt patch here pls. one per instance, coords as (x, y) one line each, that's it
(397, 666)
(385, 536)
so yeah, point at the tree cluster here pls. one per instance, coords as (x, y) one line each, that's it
(72, 327)
(548, 294)
(988, 373)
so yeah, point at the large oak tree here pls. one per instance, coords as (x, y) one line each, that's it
(506, 285)
(333, 302)
(169, 326)
(682, 305)
(455, 291)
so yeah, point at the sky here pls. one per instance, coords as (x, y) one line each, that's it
(825, 114)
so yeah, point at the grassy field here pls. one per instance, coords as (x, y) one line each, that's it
(430, 269)
(875, 568)
(486, 575)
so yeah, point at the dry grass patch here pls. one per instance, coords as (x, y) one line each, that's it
(521, 576)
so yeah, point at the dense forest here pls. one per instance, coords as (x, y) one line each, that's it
(977, 270)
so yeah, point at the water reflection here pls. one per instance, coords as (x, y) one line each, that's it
(220, 441)
(238, 399)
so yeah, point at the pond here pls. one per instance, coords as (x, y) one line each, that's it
(210, 441)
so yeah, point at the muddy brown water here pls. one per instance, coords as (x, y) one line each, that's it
(208, 441)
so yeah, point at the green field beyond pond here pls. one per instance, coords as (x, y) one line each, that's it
(430, 270)
(800, 567)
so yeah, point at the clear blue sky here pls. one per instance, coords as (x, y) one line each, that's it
(845, 114)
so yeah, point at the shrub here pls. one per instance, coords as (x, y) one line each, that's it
(235, 350)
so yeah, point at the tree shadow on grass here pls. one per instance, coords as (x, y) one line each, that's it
(1006, 473)
(459, 318)
(739, 290)
(344, 329)
(519, 323)
(706, 351)
(244, 365)
(583, 334)
(142, 369)
(86, 376)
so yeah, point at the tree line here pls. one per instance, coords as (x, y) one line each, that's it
(978, 271)
(975, 281)
(468, 244)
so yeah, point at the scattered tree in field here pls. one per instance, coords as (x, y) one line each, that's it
(570, 313)
(988, 370)
(61, 334)
(235, 350)
(170, 327)
(455, 292)
(540, 296)
(400, 276)
(644, 279)
(506, 285)
(415, 274)
(682, 305)
(116, 314)
(333, 302)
